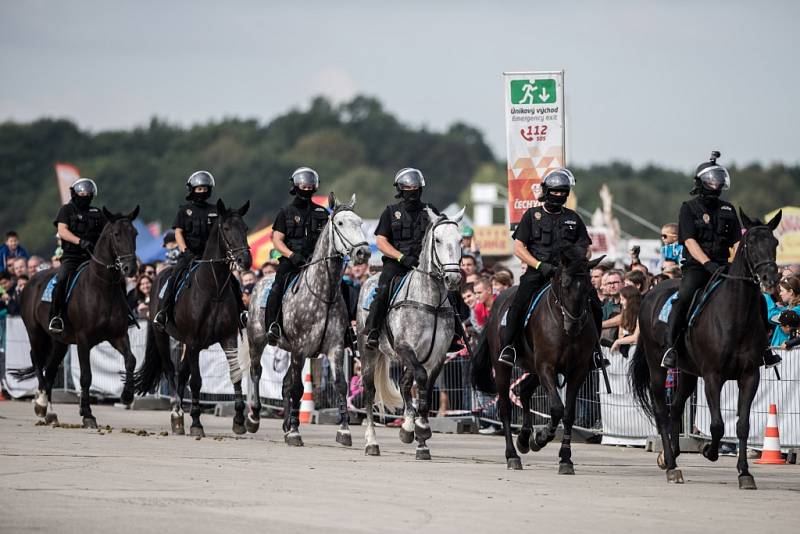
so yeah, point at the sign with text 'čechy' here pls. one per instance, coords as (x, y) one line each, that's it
(534, 135)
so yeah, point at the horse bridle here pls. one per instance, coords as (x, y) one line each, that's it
(229, 258)
(119, 259)
(441, 268)
(580, 319)
(751, 267)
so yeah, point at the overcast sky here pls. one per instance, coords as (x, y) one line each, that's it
(646, 81)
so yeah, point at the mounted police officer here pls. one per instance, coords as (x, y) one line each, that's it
(708, 228)
(400, 231)
(79, 226)
(294, 234)
(192, 226)
(538, 239)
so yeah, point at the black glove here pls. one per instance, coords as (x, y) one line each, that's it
(711, 266)
(297, 259)
(546, 269)
(188, 254)
(408, 261)
(86, 245)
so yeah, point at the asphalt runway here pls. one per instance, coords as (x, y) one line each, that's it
(74, 480)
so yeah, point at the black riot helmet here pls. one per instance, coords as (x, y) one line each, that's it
(710, 178)
(558, 180)
(200, 179)
(409, 183)
(306, 177)
(82, 191)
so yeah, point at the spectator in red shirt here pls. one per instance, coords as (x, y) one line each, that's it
(484, 298)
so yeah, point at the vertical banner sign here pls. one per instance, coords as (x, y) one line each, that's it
(66, 175)
(534, 135)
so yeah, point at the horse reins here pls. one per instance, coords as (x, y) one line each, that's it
(751, 267)
(228, 258)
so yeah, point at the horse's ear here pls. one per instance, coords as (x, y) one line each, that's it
(132, 215)
(332, 202)
(745, 219)
(460, 215)
(595, 262)
(352, 203)
(775, 221)
(107, 214)
(241, 211)
(432, 216)
(221, 206)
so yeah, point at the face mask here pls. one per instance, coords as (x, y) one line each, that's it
(82, 202)
(411, 195)
(200, 197)
(305, 194)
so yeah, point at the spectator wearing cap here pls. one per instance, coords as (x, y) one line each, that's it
(171, 251)
(789, 322)
(11, 250)
(789, 291)
(469, 247)
(247, 291)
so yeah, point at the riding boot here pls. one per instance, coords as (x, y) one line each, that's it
(56, 322)
(771, 359)
(376, 317)
(597, 314)
(274, 331)
(164, 313)
(674, 328)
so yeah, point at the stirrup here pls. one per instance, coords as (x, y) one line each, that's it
(56, 325)
(243, 318)
(160, 320)
(669, 360)
(771, 359)
(274, 333)
(508, 355)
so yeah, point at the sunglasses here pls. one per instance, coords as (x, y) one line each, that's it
(666, 236)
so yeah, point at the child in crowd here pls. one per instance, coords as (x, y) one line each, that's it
(630, 300)
(789, 322)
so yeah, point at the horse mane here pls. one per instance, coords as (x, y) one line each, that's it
(575, 256)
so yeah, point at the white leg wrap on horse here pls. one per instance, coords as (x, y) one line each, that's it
(41, 398)
(233, 365)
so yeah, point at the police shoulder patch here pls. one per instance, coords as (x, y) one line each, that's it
(537, 215)
(189, 212)
(397, 215)
(706, 218)
(297, 218)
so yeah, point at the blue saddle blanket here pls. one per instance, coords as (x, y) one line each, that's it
(699, 304)
(374, 291)
(262, 302)
(184, 279)
(534, 303)
(47, 294)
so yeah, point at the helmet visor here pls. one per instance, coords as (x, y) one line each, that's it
(559, 179)
(305, 178)
(85, 186)
(715, 178)
(201, 178)
(409, 178)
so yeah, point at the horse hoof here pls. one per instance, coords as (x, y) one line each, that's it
(406, 436)
(674, 476)
(711, 454)
(197, 432)
(251, 425)
(39, 410)
(514, 464)
(423, 454)
(51, 419)
(238, 428)
(89, 422)
(372, 450)
(293, 439)
(523, 445)
(566, 469)
(422, 433)
(535, 447)
(747, 482)
(344, 438)
(126, 398)
(660, 460)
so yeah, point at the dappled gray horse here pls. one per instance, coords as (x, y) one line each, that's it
(314, 321)
(418, 330)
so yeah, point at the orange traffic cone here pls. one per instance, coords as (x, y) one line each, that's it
(307, 401)
(771, 453)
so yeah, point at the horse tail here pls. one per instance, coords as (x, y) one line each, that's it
(639, 377)
(24, 373)
(148, 376)
(387, 392)
(244, 354)
(482, 377)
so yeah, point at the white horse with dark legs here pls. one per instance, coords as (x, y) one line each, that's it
(418, 330)
(314, 321)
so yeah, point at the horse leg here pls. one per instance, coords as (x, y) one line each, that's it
(371, 447)
(176, 417)
(526, 389)
(423, 431)
(685, 386)
(123, 346)
(58, 351)
(230, 347)
(548, 433)
(41, 349)
(253, 420)
(717, 427)
(666, 458)
(409, 413)
(343, 436)
(748, 385)
(502, 377)
(195, 384)
(293, 437)
(86, 382)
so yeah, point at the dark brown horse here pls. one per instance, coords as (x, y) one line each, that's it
(726, 342)
(558, 339)
(97, 311)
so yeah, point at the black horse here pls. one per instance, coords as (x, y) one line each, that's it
(97, 311)
(726, 342)
(558, 339)
(206, 312)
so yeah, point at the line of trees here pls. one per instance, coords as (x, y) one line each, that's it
(356, 147)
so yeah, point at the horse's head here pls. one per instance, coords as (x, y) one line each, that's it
(573, 283)
(443, 247)
(347, 234)
(233, 234)
(759, 246)
(120, 238)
